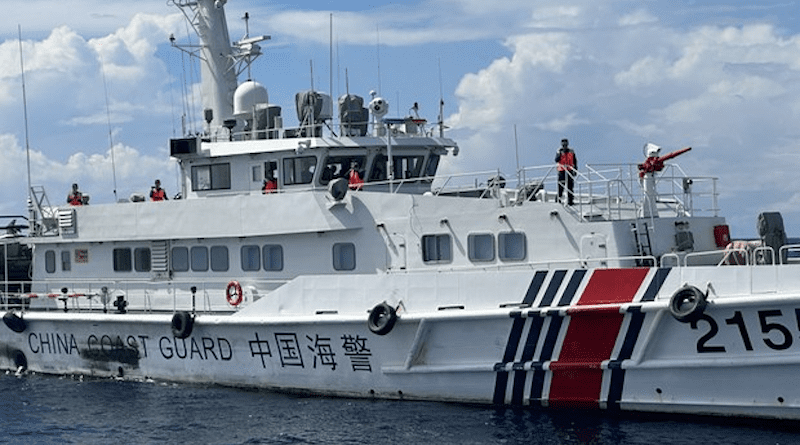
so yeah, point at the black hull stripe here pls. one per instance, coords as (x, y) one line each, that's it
(533, 289)
(617, 373)
(655, 285)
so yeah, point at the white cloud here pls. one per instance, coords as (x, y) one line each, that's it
(732, 92)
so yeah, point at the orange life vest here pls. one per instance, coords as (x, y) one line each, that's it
(566, 161)
(355, 180)
(157, 195)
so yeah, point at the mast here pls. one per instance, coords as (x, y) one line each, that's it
(221, 60)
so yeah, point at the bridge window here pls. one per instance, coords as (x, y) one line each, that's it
(339, 167)
(436, 249)
(433, 165)
(512, 246)
(299, 170)
(405, 167)
(481, 247)
(211, 177)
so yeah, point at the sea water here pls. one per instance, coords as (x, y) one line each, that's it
(57, 410)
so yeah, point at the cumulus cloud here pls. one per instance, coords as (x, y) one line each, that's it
(67, 77)
(730, 91)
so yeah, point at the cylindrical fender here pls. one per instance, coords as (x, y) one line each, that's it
(687, 304)
(381, 319)
(182, 324)
(233, 293)
(14, 322)
(20, 361)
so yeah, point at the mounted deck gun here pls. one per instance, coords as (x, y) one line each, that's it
(647, 174)
(654, 162)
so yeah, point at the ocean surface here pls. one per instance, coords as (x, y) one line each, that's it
(56, 410)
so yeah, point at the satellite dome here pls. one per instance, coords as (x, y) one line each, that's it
(248, 96)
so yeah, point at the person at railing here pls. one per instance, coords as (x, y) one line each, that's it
(157, 193)
(567, 167)
(75, 197)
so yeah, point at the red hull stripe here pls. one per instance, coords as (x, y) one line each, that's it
(591, 336)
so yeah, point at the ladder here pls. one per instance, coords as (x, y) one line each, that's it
(641, 237)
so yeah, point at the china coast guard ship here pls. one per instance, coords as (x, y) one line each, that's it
(330, 259)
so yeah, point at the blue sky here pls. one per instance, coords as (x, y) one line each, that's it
(719, 76)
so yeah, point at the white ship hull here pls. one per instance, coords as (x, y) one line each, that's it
(560, 338)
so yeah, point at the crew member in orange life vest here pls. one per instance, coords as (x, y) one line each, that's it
(75, 197)
(157, 193)
(354, 179)
(270, 184)
(567, 167)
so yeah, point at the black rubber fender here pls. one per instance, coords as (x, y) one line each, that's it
(381, 319)
(20, 361)
(14, 322)
(182, 324)
(687, 304)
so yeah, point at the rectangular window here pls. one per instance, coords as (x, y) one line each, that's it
(219, 258)
(273, 257)
(339, 167)
(251, 258)
(180, 259)
(50, 261)
(299, 170)
(122, 260)
(344, 256)
(199, 259)
(405, 167)
(512, 246)
(65, 261)
(211, 177)
(257, 176)
(481, 247)
(141, 259)
(436, 249)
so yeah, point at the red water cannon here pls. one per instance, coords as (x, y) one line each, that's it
(655, 163)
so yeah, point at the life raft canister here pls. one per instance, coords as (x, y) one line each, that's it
(381, 319)
(233, 293)
(687, 304)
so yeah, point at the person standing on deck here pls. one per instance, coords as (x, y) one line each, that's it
(75, 197)
(567, 167)
(157, 193)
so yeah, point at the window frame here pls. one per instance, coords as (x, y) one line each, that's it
(340, 261)
(122, 259)
(502, 246)
(434, 252)
(472, 247)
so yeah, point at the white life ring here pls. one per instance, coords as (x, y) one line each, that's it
(233, 293)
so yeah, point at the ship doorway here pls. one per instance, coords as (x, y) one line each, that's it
(593, 250)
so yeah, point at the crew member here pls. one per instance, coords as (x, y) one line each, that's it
(157, 193)
(567, 168)
(270, 184)
(354, 178)
(75, 197)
